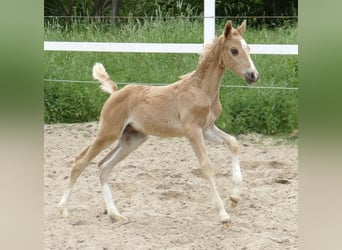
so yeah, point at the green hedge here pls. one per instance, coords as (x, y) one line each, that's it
(259, 110)
(72, 102)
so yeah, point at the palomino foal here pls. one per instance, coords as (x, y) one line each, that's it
(188, 107)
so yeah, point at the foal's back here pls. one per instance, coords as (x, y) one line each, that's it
(151, 110)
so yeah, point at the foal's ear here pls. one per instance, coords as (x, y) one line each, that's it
(242, 28)
(227, 29)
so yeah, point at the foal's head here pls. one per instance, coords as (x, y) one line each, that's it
(235, 53)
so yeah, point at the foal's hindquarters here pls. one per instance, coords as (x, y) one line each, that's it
(113, 126)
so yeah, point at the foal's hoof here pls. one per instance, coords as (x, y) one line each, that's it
(235, 199)
(63, 211)
(118, 218)
(225, 218)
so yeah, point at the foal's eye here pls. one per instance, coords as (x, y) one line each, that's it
(234, 51)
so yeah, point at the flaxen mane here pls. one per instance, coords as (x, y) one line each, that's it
(209, 54)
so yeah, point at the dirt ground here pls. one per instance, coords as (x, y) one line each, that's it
(160, 190)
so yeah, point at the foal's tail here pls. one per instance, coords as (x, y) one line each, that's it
(100, 74)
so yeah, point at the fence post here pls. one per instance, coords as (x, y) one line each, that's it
(209, 21)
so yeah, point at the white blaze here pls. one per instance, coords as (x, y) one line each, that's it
(245, 47)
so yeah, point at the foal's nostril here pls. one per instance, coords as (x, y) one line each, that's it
(253, 76)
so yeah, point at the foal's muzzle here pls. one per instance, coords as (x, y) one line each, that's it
(251, 76)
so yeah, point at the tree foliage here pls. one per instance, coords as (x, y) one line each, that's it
(77, 7)
(173, 8)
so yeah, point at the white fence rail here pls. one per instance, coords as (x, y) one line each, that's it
(269, 49)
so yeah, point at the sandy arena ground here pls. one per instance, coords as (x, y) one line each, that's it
(160, 190)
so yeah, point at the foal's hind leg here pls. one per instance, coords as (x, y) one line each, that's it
(129, 141)
(216, 135)
(81, 162)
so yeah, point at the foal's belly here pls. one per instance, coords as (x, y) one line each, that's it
(160, 128)
(157, 125)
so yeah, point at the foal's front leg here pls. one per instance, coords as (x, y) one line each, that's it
(216, 135)
(196, 140)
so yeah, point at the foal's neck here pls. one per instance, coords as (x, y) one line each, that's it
(209, 72)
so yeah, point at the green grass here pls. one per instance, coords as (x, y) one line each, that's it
(245, 110)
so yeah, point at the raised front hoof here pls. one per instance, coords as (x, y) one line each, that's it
(118, 218)
(234, 199)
